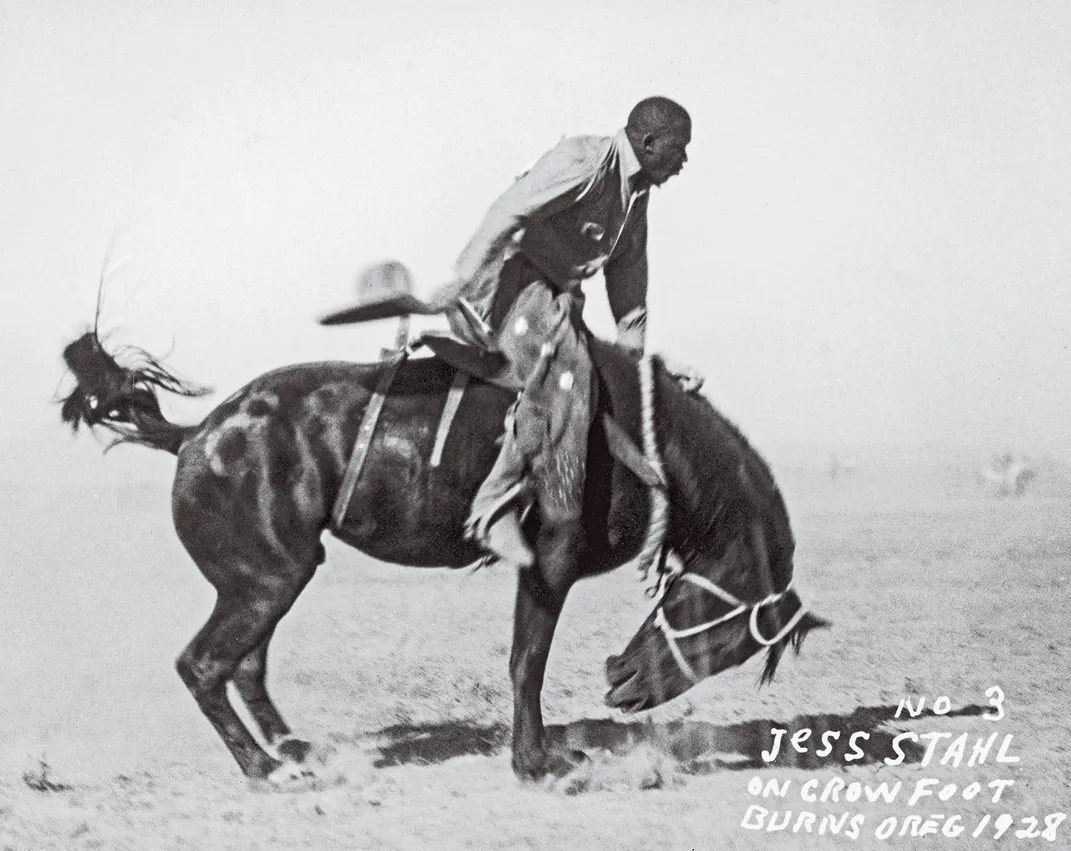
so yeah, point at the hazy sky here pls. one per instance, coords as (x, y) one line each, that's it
(870, 242)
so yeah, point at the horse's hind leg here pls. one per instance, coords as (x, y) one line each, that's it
(241, 624)
(249, 680)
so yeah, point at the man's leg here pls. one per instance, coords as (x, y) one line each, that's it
(553, 423)
(545, 450)
(559, 464)
(532, 319)
(494, 520)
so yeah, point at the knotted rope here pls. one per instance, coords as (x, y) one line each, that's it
(653, 551)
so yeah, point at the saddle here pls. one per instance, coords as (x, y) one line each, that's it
(469, 361)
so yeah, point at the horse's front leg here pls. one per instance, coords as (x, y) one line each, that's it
(541, 593)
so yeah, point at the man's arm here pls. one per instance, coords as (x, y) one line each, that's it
(626, 282)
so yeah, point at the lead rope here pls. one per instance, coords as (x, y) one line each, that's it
(654, 543)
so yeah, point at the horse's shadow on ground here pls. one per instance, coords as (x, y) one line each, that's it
(699, 747)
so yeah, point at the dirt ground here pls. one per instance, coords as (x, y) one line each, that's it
(933, 589)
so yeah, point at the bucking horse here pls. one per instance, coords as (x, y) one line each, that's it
(267, 472)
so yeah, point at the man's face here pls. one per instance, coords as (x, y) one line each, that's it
(665, 152)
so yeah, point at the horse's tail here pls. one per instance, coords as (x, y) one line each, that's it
(123, 399)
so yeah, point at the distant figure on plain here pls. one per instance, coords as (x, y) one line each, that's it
(841, 468)
(1008, 475)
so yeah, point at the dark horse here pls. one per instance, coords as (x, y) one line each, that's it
(257, 479)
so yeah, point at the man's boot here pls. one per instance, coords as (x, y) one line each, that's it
(505, 539)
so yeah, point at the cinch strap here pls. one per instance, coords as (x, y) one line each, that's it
(453, 402)
(364, 439)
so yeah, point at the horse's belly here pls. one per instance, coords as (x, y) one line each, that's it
(416, 528)
(404, 510)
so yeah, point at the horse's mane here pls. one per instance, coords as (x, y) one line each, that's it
(720, 481)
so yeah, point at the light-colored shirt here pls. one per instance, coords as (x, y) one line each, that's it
(575, 212)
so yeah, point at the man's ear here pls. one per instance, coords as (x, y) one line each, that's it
(648, 141)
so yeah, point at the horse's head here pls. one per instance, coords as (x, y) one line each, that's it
(714, 614)
(729, 525)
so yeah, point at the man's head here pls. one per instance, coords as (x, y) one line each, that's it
(659, 130)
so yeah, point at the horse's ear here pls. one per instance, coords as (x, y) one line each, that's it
(794, 639)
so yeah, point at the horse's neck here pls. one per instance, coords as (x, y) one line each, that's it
(711, 468)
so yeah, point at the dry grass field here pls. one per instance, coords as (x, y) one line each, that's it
(401, 675)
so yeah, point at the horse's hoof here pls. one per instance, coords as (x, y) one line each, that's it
(289, 772)
(552, 767)
(571, 774)
(290, 777)
(561, 763)
(293, 750)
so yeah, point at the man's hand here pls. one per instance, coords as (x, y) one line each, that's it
(583, 271)
(689, 379)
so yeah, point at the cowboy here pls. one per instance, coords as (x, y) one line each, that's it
(580, 209)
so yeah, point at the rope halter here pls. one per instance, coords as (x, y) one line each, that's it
(739, 608)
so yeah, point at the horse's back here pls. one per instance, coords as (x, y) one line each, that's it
(287, 437)
(291, 433)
